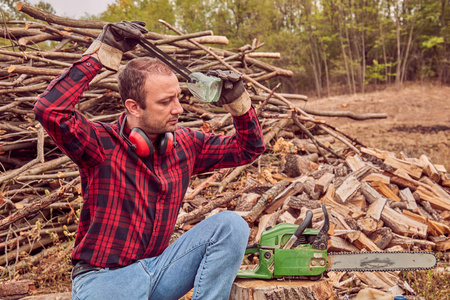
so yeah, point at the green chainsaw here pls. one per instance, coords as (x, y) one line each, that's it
(300, 252)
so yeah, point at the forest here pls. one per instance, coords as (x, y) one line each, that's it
(332, 46)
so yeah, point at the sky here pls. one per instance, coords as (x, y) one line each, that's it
(76, 8)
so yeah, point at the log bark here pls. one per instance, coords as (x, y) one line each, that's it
(296, 165)
(382, 237)
(347, 114)
(303, 200)
(408, 243)
(34, 71)
(39, 14)
(294, 188)
(251, 289)
(16, 288)
(54, 296)
(403, 225)
(266, 198)
(338, 244)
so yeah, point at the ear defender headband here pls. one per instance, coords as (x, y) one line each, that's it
(140, 143)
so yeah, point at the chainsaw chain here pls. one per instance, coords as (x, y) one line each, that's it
(384, 252)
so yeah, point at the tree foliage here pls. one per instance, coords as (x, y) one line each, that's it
(149, 11)
(327, 43)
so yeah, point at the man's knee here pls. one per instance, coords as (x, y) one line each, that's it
(234, 224)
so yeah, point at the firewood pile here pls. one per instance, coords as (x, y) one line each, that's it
(376, 200)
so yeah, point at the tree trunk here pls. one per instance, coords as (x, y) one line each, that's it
(350, 54)
(405, 61)
(363, 51)
(253, 289)
(348, 67)
(386, 68)
(399, 56)
(325, 64)
(315, 66)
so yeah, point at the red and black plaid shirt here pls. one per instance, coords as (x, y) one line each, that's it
(131, 204)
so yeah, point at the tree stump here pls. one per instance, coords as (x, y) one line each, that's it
(255, 289)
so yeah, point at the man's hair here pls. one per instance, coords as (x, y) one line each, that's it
(132, 78)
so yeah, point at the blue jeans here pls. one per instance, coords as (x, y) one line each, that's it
(206, 258)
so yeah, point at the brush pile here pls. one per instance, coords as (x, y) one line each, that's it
(376, 200)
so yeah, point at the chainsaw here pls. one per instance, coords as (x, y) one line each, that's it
(300, 252)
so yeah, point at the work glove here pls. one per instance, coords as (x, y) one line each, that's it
(114, 40)
(234, 97)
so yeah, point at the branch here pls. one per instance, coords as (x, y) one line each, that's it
(347, 114)
(39, 205)
(201, 211)
(39, 14)
(265, 199)
(38, 159)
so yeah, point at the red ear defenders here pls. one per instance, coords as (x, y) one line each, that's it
(140, 143)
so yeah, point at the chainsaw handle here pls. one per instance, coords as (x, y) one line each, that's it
(252, 248)
(320, 242)
(307, 222)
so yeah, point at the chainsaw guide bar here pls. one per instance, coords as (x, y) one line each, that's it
(378, 261)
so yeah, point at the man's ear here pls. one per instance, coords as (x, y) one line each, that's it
(133, 107)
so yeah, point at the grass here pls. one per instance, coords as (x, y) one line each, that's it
(431, 284)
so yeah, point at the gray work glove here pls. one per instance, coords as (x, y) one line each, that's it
(234, 97)
(233, 86)
(114, 40)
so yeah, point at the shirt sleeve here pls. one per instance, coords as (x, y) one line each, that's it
(55, 110)
(219, 151)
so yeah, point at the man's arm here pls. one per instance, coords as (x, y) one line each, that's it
(55, 110)
(246, 144)
(218, 151)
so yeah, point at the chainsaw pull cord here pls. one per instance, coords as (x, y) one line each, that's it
(169, 61)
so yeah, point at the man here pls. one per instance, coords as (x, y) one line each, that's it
(135, 174)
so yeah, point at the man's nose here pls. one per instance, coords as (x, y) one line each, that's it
(177, 109)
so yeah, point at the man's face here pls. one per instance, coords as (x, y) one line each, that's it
(162, 105)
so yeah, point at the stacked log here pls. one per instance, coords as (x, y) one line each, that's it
(377, 200)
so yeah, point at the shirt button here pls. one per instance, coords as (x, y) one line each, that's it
(88, 64)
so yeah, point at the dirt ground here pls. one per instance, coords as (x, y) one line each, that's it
(418, 119)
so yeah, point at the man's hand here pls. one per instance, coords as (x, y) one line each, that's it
(123, 35)
(114, 40)
(234, 98)
(233, 86)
